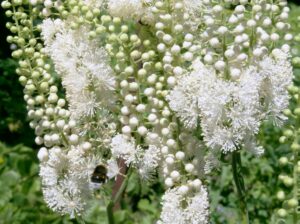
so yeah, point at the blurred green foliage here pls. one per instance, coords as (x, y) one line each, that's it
(20, 189)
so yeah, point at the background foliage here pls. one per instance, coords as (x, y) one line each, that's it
(20, 190)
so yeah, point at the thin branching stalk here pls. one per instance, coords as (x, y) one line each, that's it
(115, 199)
(239, 182)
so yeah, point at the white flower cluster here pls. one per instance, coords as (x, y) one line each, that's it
(135, 9)
(64, 189)
(83, 65)
(231, 112)
(181, 209)
(146, 161)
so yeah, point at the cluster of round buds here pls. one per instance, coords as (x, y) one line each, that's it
(235, 38)
(290, 193)
(295, 47)
(46, 110)
(139, 82)
(135, 112)
(176, 48)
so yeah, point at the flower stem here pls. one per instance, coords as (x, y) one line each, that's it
(115, 199)
(239, 183)
(295, 190)
(110, 212)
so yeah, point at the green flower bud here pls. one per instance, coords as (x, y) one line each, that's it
(23, 64)
(113, 37)
(65, 14)
(8, 13)
(80, 20)
(39, 99)
(283, 161)
(36, 74)
(158, 66)
(142, 73)
(29, 51)
(22, 80)
(135, 54)
(32, 42)
(84, 9)
(296, 62)
(134, 38)
(146, 43)
(129, 70)
(17, 2)
(89, 15)
(92, 34)
(124, 29)
(124, 37)
(60, 8)
(295, 146)
(288, 181)
(293, 89)
(106, 19)
(96, 12)
(74, 25)
(75, 10)
(44, 86)
(9, 39)
(297, 111)
(5, 4)
(288, 133)
(297, 38)
(17, 53)
(13, 29)
(280, 195)
(72, 3)
(292, 203)
(100, 29)
(298, 169)
(287, 112)
(282, 213)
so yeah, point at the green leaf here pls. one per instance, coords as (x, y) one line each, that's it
(144, 205)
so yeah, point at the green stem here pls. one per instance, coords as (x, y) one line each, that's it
(239, 182)
(114, 200)
(122, 189)
(295, 190)
(110, 212)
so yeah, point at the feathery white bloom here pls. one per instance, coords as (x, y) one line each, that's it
(211, 161)
(85, 70)
(50, 28)
(135, 9)
(238, 115)
(64, 189)
(278, 74)
(94, 3)
(172, 211)
(183, 98)
(180, 209)
(193, 8)
(231, 112)
(123, 147)
(112, 168)
(251, 145)
(148, 162)
(197, 210)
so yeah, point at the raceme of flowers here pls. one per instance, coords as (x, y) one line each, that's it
(165, 86)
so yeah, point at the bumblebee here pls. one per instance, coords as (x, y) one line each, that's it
(99, 175)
